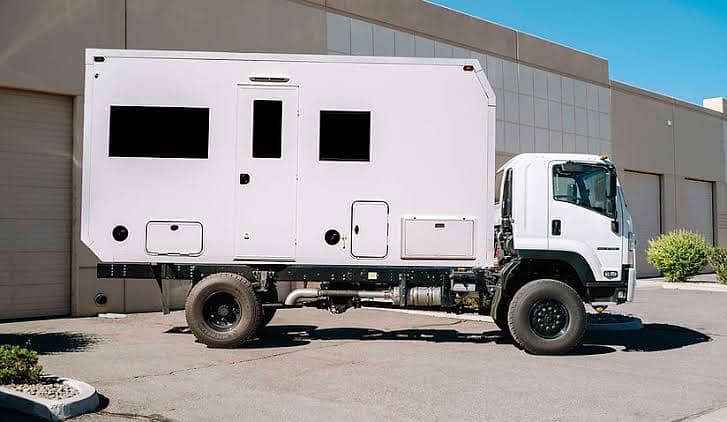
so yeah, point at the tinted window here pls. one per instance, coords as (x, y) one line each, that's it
(267, 128)
(345, 136)
(586, 188)
(159, 132)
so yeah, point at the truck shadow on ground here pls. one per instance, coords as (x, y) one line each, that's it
(50, 343)
(651, 338)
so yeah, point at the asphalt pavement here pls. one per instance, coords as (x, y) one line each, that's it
(377, 365)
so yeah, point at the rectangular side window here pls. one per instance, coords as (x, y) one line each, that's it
(267, 126)
(159, 132)
(345, 136)
(582, 185)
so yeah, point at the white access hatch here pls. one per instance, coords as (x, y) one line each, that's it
(438, 238)
(174, 238)
(369, 229)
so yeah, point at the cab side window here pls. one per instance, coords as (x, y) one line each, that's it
(586, 187)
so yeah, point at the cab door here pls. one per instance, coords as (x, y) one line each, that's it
(583, 217)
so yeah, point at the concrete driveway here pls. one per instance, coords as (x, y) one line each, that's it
(378, 365)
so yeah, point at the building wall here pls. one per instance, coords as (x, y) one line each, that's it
(680, 142)
(550, 97)
(42, 41)
(538, 110)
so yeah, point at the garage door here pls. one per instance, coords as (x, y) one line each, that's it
(643, 198)
(695, 208)
(35, 204)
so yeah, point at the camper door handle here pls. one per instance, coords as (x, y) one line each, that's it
(244, 178)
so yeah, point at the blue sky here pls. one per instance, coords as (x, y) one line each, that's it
(674, 47)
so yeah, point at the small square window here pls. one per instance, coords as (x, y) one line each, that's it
(345, 136)
(267, 124)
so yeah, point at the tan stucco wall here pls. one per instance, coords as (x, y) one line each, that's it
(699, 145)
(642, 137)
(679, 141)
(42, 41)
(273, 26)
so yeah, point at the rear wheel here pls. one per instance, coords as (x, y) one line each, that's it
(222, 310)
(547, 317)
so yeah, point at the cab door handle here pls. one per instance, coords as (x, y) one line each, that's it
(244, 178)
(555, 228)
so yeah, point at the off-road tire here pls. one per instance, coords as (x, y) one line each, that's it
(251, 312)
(524, 304)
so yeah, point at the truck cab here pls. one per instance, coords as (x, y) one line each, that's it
(563, 217)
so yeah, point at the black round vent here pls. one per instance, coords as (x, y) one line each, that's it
(101, 299)
(120, 233)
(332, 237)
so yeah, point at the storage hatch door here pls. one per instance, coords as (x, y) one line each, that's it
(370, 229)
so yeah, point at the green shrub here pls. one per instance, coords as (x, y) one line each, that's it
(717, 258)
(18, 365)
(679, 254)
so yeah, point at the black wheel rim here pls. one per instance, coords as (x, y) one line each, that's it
(221, 311)
(549, 319)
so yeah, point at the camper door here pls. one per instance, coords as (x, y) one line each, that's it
(267, 156)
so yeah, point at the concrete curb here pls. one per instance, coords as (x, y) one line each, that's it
(53, 410)
(704, 287)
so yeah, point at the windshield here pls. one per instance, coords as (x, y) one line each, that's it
(582, 185)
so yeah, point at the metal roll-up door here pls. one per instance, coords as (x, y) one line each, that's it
(35, 204)
(643, 197)
(695, 208)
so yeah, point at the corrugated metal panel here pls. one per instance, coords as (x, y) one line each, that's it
(643, 198)
(35, 204)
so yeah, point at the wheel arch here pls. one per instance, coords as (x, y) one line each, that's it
(569, 267)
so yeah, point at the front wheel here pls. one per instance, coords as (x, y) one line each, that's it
(547, 317)
(223, 310)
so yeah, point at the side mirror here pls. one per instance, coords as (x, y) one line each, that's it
(612, 187)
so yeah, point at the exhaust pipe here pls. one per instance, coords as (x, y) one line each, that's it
(417, 296)
(298, 294)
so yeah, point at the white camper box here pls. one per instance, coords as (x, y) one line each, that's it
(228, 158)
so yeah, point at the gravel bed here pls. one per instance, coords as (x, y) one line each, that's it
(49, 389)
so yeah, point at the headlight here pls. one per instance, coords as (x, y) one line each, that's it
(632, 242)
(631, 259)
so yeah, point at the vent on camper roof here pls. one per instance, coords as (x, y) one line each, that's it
(269, 79)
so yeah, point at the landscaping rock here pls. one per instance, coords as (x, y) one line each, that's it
(52, 399)
(48, 388)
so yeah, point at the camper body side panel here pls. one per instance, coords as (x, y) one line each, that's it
(430, 158)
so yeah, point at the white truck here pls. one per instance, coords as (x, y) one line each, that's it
(281, 181)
